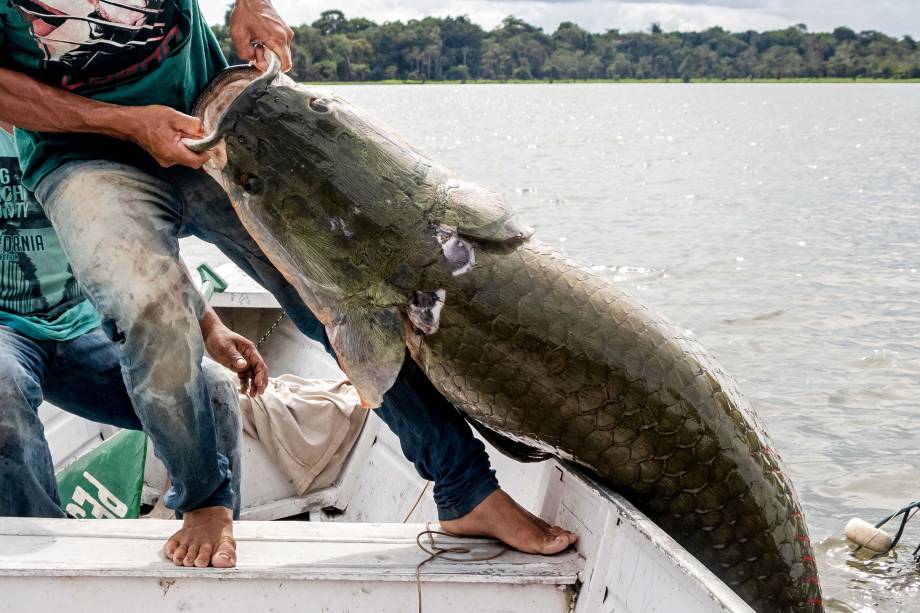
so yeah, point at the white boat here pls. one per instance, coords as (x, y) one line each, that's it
(357, 552)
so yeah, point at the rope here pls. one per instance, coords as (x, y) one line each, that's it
(417, 501)
(436, 552)
(907, 516)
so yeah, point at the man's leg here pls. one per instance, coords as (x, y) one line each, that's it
(184, 548)
(118, 226)
(84, 378)
(433, 434)
(228, 425)
(27, 484)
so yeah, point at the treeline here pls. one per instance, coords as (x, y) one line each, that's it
(335, 48)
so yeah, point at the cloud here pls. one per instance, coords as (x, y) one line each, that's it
(727, 3)
(896, 17)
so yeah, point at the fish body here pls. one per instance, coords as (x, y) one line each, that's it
(395, 254)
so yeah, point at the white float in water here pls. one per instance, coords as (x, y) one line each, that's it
(864, 534)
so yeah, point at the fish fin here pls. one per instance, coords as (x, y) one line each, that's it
(508, 446)
(480, 213)
(371, 348)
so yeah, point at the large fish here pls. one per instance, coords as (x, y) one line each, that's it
(392, 252)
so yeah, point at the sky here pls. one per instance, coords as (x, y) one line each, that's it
(894, 17)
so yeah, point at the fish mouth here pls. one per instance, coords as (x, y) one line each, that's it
(221, 92)
(257, 86)
(210, 105)
(217, 99)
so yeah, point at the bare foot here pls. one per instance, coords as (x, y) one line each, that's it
(500, 517)
(206, 539)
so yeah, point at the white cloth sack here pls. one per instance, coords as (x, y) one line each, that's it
(306, 426)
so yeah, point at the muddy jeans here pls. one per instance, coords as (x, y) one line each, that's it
(83, 376)
(119, 226)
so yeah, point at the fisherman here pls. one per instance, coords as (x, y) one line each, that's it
(53, 346)
(102, 90)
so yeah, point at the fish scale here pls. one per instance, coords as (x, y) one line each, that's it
(529, 345)
(667, 427)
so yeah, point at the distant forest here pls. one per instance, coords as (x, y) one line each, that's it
(335, 48)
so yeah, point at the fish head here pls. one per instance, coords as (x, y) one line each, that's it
(331, 204)
(375, 203)
(314, 160)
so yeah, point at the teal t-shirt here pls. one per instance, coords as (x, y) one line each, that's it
(39, 296)
(129, 52)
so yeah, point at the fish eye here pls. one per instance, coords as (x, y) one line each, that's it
(251, 184)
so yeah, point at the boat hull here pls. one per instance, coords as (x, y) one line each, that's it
(624, 561)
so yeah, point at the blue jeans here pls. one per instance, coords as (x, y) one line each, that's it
(83, 376)
(119, 226)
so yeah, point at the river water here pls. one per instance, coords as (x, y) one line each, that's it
(777, 223)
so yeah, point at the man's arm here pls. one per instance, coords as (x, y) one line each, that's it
(159, 130)
(229, 349)
(255, 26)
(235, 352)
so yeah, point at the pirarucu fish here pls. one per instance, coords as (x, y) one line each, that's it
(392, 252)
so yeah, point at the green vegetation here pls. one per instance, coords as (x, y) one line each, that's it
(335, 48)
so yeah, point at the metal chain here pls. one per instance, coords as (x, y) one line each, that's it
(270, 330)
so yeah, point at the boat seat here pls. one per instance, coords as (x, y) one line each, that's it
(79, 566)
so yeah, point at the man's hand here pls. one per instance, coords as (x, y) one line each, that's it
(255, 26)
(159, 130)
(240, 355)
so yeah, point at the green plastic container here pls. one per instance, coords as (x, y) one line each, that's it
(106, 483)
